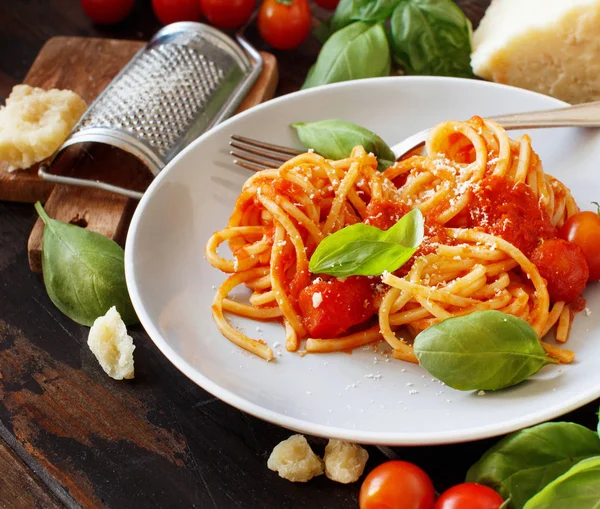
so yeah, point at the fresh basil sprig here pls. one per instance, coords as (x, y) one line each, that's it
(349, 11)
(360, 50)
(363, 250)
(432, 37)
(522, 463)
(84, 272)
(578, 488)
(486, 350)
(335, 139)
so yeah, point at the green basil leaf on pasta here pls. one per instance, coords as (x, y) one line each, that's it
(431, 37)
(486, 350)
(84, 272)
(363, 250)
(335, 139)
(522, 463)
(578, 488)
(360, 50)
(348, 11)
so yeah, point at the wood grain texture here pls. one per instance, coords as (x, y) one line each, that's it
(19, 487)
(158, 440)
(86, 66)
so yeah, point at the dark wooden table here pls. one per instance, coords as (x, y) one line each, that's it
(71, 436)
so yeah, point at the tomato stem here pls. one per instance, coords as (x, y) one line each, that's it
(597, 206)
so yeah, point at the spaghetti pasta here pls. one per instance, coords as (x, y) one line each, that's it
(487, 202)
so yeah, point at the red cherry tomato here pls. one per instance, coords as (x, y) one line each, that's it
(469, 495)
(107, 12)
(563, 265)
(327, 4)
(171, 11)
(284, 24)
(583, 229)
(227, 13)
(397, 485)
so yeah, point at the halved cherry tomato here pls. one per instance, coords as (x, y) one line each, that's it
(469, 496)
(171, 11)
(563, 265)
(284, 24)
(107, 12)
(227, 13)
(327, 4)
(397, 485)
(583, 229)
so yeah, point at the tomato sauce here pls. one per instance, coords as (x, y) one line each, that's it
(330, 308)
(510, 211)
(385, 214)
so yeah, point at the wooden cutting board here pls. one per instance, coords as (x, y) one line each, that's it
(86, 66)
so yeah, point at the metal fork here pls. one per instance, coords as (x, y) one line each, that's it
(258, 155)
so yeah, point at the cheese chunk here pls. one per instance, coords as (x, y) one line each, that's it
(344, 462)
(109, 342)
(550, 46)
(35, 122)
(294, 460)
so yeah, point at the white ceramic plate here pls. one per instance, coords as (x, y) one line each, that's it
(357, 397)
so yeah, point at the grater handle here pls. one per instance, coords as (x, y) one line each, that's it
(71, 181)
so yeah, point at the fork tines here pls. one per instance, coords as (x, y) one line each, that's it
(270, 155)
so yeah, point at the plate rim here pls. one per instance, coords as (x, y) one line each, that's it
(293, 423)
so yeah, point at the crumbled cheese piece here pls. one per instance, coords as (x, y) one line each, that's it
(109, 342)
(294, 460)
(481, 393)
(35, 122)
(587, 311)
(550, 46)
(344, 462)
(317, 299)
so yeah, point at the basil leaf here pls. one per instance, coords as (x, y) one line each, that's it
(522, 463)
(348, 11)
(486, 350)
(335, 139)
(360, 50)
(578, 488)
(363, 250)
(432, 37)
(84, 272)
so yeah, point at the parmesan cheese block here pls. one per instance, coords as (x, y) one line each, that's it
(550, 46)
(35, 122)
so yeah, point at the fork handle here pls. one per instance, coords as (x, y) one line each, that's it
(581, 115)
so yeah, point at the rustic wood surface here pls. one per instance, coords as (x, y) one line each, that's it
(69, 435)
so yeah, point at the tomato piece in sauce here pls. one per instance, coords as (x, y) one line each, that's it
(563, 265)
(331, 307)
(510, 211)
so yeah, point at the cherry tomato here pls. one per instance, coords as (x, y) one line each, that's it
(284, 24)
(171, 11)
(397, 485)
(107, 12)
(563, 265)
(227, 13)
(583, 229)
(327, 4)
(469, 495)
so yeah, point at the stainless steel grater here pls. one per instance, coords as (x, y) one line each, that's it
(188, 78)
